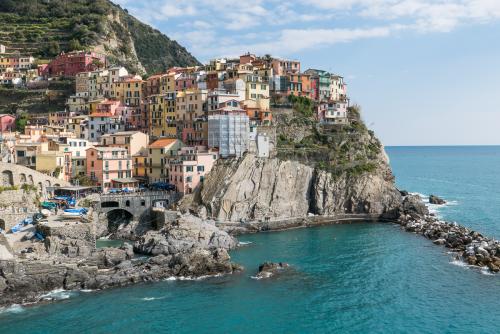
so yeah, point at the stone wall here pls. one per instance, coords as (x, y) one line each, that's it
(17, 175)
(15, 205)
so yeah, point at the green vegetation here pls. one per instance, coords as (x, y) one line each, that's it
(21, 122)
(302, 105)
(341, 149)
(83, 180)
(44, 28)
(2, 189)
(39, 101)
(28, 187)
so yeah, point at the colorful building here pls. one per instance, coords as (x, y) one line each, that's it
(132, 141)
(158, 154)
(190, 167)
(71, 63)
(105, 164)
(161, 115)
(7, 123)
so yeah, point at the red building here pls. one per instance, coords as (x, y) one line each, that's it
(71, 63)
(7, 123)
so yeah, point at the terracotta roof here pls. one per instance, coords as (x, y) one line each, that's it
(160, 143)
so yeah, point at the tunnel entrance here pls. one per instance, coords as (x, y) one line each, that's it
(117, 219)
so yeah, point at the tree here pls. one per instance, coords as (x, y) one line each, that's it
(52, 49)
(21, 122)
(74, 45)
(83, 180)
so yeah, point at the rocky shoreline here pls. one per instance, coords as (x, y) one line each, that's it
(189, 246)
(470, 246)
(186, 247)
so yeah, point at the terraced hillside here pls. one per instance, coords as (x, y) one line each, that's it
(43, 28)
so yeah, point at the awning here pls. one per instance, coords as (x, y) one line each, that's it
(125, 180)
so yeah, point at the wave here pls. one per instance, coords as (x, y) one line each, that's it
(244, 243)
(460, 263)
(58, 294)
(14, 308)
(435, 208)
(148, 299)
(188, 278)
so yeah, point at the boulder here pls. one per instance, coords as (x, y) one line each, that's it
(269, 269)
(413, 205)
(433, 199)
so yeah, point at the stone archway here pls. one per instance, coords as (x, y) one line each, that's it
(117, 219)
(30, 180)
(2, 224)
(40, 187)
(7, 178)
(22, 178)
(47, 183)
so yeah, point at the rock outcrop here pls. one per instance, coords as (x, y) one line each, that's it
(270, 269)
(187, 247)
(255, 189)
(470, 246)
(433, 199)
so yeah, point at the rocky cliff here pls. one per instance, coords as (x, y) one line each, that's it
(339, 170)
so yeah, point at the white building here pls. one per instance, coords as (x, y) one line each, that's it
(217, 97)
(2, 48)
(102, 123)
(229, 133)
(333, 112)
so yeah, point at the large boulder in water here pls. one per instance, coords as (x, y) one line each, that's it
(413, 205)
(269, 269)
(436, 200)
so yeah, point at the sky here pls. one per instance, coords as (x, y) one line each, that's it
(425, 72)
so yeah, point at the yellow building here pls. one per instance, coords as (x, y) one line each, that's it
(158, 154)
(258, 90)
(189, 104)
(129, 91)
(140, 160)
(161, 115)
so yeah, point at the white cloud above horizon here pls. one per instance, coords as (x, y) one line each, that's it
(295, 27)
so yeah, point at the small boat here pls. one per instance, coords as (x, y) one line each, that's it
(45, 212)
(71, 215)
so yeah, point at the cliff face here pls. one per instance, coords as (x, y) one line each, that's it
(317, 170)
(253, 189)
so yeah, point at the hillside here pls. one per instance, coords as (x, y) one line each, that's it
(43, 28)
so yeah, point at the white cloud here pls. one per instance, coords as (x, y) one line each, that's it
(207, 27)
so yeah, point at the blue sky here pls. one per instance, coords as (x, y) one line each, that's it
(426, 72)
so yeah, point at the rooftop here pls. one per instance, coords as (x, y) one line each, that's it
(160, 143)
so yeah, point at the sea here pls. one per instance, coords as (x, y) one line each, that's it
(355, 278)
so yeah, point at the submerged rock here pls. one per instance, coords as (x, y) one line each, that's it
(269, 269)
(433, 199)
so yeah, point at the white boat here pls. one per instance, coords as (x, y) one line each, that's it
(71, 215)
(45, 212)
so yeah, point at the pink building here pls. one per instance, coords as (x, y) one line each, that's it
(7, 123)
(284, 66)
(109, 165)
(185, 81)
(71, 63)
(190, 166)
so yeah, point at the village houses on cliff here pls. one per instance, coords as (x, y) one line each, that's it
(120, 130)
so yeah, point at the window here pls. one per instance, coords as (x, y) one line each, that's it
(200, 168)
(189, 168)
(189, 179)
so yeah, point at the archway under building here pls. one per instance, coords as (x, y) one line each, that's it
(7, 178)
(117, 219)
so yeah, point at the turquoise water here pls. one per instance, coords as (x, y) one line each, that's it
(360, 278)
